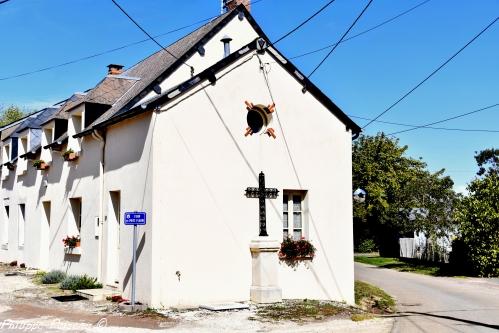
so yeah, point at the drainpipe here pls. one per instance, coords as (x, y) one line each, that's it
(102, 142)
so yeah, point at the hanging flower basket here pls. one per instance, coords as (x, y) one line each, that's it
(71, 241)
(40, 165)
(70, 155)
(293, 252)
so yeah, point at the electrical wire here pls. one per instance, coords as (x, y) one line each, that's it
(304, 22)
(148, 35)
(379, 25)
(3, 1)
(103, 52)
(341, 39)
(70, 62)
(413, 127)
(432, 73)
(450, 118)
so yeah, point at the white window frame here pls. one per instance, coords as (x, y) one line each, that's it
(290, 210)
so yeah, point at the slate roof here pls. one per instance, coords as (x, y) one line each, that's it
(72, 102)
(38, 120)
(149, 69)
(109, 90)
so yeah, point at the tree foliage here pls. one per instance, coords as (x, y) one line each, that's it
(478, 217)
(10, 114)
(402, 195)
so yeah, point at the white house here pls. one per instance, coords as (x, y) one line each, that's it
(167, 136)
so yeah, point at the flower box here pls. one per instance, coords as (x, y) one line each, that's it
(71, 241)
(293, 252)
(70, 155)
(40, 165)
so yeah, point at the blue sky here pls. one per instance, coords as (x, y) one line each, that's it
(363, 76)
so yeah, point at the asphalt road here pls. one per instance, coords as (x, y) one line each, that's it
(437, 304)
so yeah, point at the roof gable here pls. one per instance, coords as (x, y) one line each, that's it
(155, 68)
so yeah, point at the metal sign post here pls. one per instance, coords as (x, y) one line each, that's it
(135, 219)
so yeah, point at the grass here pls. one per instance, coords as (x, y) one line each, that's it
(372, 299)
(408, 265)
(300, 310)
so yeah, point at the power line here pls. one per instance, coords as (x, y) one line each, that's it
(148, 35)
(70, 62)
(432, 73)
(451, 118)
(3, 1)
(304, 22)
(413, 127)
(362, 32)
(103, 52)
(341, 39)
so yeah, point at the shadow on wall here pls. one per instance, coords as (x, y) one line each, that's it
(29, 178)
(123, 149)
(128, 274)
(55, 171)
(8, 184)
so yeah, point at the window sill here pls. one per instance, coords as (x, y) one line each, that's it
(76, 251)
(5, 246)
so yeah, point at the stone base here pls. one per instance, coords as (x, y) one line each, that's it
(127, 307)
(266, 294)
(265, 262)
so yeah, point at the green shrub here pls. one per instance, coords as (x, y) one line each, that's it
(367, 246)
(53, 277)
(75, 282)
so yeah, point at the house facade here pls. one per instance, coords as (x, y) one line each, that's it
(169, 136)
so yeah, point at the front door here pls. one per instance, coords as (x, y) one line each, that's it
(113, 238)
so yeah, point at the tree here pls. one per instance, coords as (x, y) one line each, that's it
(396, 187)
(10, 115)
(478, 217)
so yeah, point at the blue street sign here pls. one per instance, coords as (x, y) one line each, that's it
(135, 218)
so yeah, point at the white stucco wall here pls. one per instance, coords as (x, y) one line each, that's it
(206, 163)
(43, 246)
(241, 33)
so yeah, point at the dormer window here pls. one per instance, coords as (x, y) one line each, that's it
(22, 163)
(47, 138)
(5, 159)
(75, 126)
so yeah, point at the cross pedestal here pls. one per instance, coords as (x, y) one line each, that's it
(264, 258)
(264, 264)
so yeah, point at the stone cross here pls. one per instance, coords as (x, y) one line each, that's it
(262, 193)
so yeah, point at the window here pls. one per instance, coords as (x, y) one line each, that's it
(5, 226)
(76, 210)
(293, 216)
(21, 222)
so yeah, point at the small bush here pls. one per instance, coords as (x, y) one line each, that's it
(367, 246)
(75, 282)
(13, 263)
(53, 277)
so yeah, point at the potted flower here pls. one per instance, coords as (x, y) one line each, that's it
(71, 241)
(40, 165)
(69, 155)
(293, 252)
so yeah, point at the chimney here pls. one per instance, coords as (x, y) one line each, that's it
(113, 69)
(231, 4)
(226, 40)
